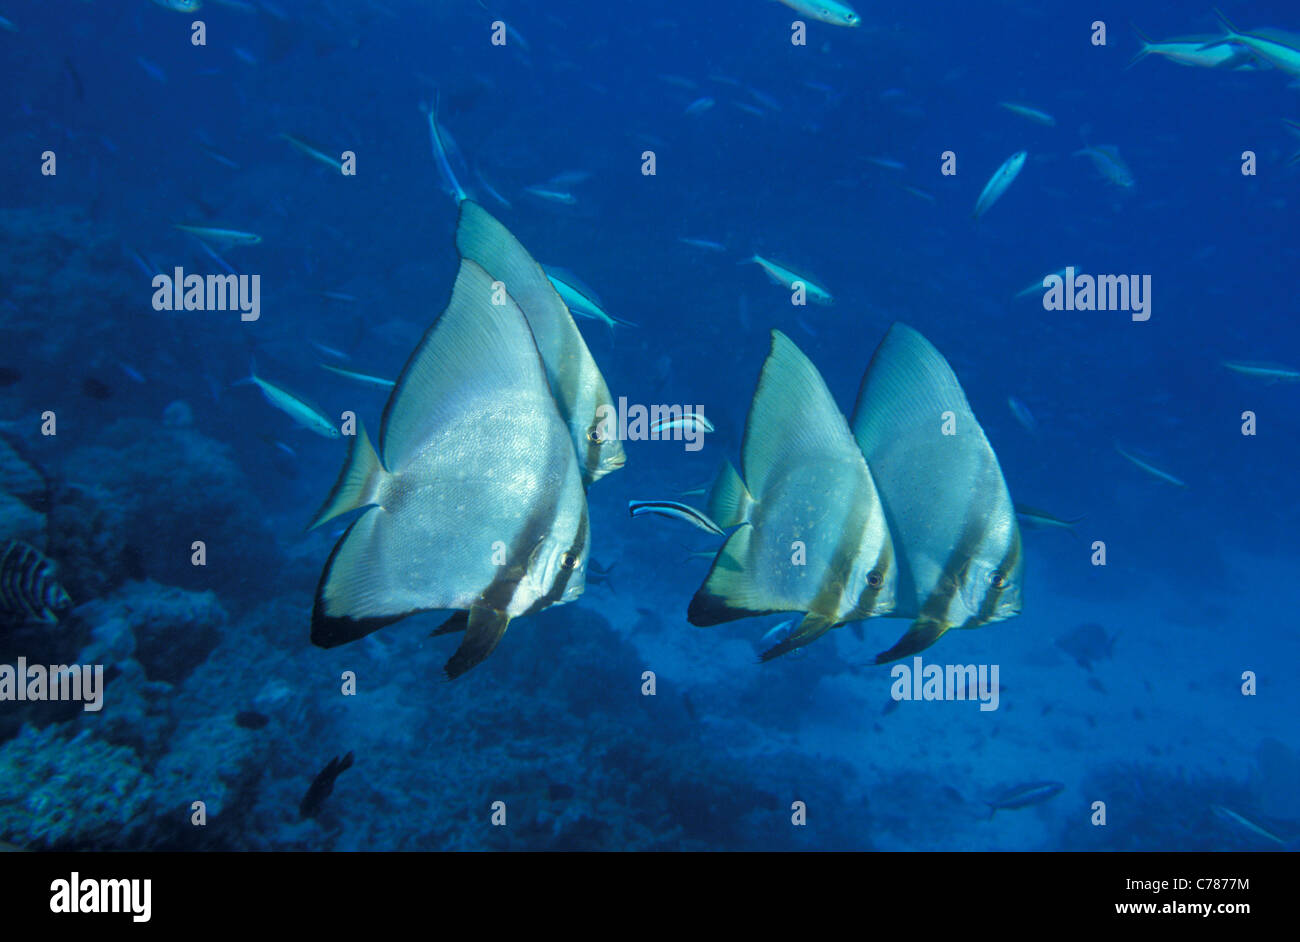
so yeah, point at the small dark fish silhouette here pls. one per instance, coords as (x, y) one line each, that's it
(322, 785)
(9, 375)
(689, 707)
(72, 75)
(599, 575)
(1087, 644)
(1022, 796)
(96, 389)
(251, 719)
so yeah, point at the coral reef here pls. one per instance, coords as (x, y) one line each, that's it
(69, 793)
(167, 487)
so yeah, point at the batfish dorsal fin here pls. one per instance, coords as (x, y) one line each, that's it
(793, 415)
(484, 630)
(475, 351)
(575, 380)
(906, 390)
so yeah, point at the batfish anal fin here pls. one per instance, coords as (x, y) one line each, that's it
(484, 629)
(923, 633)
(810, 629)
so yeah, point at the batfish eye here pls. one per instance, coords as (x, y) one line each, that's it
(593, 435)
(874, 579)
(997, 580)
(568, 561)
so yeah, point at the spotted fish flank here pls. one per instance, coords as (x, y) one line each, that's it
(29, 586)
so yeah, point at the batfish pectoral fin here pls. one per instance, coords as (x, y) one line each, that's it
(457, 622)
(810, 629)
(484, 629)
(923, 633)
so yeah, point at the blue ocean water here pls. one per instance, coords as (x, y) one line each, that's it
(828, 157)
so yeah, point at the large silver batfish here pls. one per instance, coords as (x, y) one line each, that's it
(948, 507)
(580, 391)
(815, 539)
(475, 499)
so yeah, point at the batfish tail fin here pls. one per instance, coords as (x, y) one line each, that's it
(354, 597)
(730, 591)
(810, 629)
(359, 481)
(923, 633)
(484, 629)
(729, 501)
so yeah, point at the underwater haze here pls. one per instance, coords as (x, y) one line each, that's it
(1117, 308)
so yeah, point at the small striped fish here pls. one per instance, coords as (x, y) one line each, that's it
(29, 590)
(677, 510)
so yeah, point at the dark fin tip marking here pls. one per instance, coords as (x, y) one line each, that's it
(920, 636)
(809, 630)
(708, 609)
(457, 622)
(485, 628)
(330, 631)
